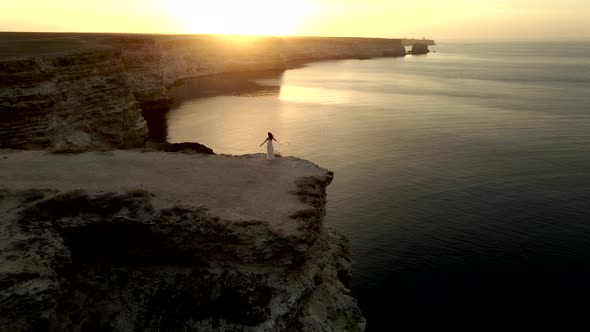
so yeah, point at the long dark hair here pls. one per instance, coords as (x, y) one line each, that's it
(270, 136)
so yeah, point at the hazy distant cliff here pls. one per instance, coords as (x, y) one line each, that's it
(88, 91)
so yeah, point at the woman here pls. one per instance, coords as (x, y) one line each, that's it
(269, 149)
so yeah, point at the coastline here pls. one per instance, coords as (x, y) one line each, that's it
(93, 91)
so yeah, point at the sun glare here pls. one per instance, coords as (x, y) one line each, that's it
(238, 17)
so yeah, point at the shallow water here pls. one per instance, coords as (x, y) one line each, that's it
(461, 177)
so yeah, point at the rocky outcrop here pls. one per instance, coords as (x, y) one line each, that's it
(420, 49)
(169, 242)
(186, 147)
(89, 91)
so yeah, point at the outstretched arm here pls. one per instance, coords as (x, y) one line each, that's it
(264, 142)
(274, 139)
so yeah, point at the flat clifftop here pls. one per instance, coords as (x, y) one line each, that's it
(240, 188)
(34, 44)
(134, 240)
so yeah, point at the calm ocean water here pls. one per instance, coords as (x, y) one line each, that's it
(461, 177)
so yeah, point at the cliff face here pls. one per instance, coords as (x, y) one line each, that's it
(139, 249)
(413, 41)
(69, 101)
(207, 55)
(88, 91)
(142, 62)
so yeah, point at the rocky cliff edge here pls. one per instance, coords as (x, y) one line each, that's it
(156, 241)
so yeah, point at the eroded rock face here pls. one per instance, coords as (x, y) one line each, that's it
(77, 101)
(229, 251)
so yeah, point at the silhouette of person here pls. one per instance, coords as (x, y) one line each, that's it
(270, 152)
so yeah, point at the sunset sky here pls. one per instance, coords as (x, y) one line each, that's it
(440, 20)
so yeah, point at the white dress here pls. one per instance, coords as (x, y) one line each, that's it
(270, 150)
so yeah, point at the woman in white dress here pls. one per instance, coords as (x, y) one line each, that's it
(269, 149)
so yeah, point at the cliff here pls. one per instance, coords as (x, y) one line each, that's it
(131, 240)
(162, 241)
(89, 91)
(420, 49)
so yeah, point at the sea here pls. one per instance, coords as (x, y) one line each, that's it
(462, 177)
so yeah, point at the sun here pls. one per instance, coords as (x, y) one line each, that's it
(238, 17)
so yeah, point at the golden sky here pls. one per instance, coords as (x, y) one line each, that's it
(436, 19)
